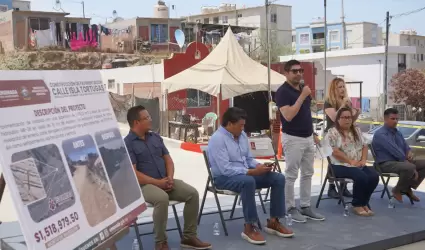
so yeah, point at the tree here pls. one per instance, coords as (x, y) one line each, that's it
(276, 49)
(409, 87)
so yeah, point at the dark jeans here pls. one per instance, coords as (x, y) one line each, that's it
(246, 185)
(365, 181)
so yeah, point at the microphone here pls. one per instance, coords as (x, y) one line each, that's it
(302, 85)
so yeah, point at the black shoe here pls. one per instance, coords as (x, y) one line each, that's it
(332, 193)
(347, 193)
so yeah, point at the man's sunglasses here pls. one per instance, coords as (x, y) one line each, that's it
(296, 71)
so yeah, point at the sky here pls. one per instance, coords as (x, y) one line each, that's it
(303, 11)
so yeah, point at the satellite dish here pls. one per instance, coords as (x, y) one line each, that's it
(58, 5)
(180, 38)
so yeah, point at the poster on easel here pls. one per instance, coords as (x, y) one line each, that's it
(64, 160)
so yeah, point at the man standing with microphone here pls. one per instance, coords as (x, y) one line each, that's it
(294, 100)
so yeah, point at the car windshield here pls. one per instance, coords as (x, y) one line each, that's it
(405, 131)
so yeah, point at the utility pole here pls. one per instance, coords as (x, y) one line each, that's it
(387, 35)
(268, 50)
(84, 12)
(344, 27)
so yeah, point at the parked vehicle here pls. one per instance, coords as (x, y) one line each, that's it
(415, 137)
(118, 62)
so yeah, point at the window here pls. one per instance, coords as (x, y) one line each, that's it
(215, 20)
(198, 20)
(422, 57)
(417, 57)
(111, 83)
(39, 23)
(414, 56)
(206, 20)
(273, 18)
(3, 8)
(159, 33)
(225, 19)
(304, 38)
(239, 15)
(334, 35)
(196, 98)
(294, 38)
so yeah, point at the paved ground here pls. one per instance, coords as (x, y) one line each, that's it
(191, 168)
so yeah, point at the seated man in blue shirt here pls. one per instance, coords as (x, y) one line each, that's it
(155, 172)
(233, 168)
(394, 156)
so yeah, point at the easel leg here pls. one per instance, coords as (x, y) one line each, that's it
(2, 187)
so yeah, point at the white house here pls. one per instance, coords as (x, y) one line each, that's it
(410, 38)
(280, 20)
(362, 64)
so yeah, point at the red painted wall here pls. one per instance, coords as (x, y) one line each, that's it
(178, 63)
(144, 33)
(173, 34)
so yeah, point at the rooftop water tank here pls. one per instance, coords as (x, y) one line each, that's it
(161, 10)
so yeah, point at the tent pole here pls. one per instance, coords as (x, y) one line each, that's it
(326, 80)
(268, 50)
(218, 108)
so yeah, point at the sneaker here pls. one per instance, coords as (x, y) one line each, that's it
(252, 235)
(296, 215)
(276, 228)
(195, 243)
(307, 212)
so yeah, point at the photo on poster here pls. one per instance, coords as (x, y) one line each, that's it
(28, 181)
(42, 181)
(118, 166)
(90, 179)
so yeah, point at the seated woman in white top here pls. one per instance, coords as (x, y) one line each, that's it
(348, 159)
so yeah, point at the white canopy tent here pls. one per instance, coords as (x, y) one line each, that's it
(227, 70)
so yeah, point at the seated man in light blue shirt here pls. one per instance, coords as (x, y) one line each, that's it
(233, 168)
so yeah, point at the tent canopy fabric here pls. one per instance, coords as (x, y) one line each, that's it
(227, 70)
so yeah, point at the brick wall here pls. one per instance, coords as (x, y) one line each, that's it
(6, 36)
(20, 34)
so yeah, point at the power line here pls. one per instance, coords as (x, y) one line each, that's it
(408, 13)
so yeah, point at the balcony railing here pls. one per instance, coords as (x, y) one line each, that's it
(320, 41)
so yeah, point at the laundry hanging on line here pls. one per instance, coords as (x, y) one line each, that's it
(43, 38)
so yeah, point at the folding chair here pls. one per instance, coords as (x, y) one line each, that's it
(210, 187)
(382, 175)
(340, 184)
(176, 217)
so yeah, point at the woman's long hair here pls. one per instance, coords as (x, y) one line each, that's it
(352, 127)
(333, 97)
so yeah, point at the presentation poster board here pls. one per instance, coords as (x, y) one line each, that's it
(64, 159)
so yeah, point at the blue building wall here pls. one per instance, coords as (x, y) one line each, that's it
(8, 3)
(306, 46)
(311, 31)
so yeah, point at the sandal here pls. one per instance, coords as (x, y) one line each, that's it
(362, 213)
(370, 212)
